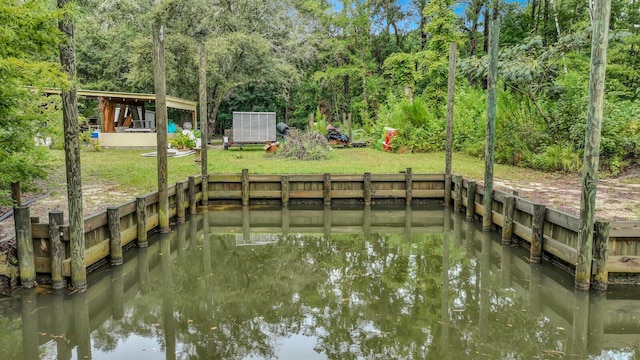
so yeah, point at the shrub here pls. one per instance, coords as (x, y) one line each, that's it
(308, 146)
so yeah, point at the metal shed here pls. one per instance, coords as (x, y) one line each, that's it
(254, 127)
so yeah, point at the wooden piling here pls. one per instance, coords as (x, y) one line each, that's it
(284, 189)
(180, 210)
(24, 241)
(205, 189)
(115, 242)
(326, 190)
(202, 104)
(350, 128)
(193, 207)
(16, 194)
(56, 218)
(508, 210)
(160, 86)
(599, 44)
(245, 187)
(408, 186)
(71, 129)
(601, 252)
(310, 125)
(487, 200)
(471, 199)
(457, 193)
(451, 86)
(141, 221)
(367, 189)
(537, 233)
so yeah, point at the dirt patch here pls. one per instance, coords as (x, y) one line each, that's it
(617, 198)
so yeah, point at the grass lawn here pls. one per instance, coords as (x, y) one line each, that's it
(127, 171)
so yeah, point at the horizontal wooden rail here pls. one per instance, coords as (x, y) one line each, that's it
(558, 232)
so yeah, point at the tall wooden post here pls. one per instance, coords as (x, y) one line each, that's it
(494, 31)
(450, 102)
(72, 153)
(204, 122)
(26, 259)
(599, 44)
(161, 125)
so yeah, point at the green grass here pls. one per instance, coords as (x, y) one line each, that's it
(127, 171)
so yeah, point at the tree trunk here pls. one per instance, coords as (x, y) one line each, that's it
(72, 154)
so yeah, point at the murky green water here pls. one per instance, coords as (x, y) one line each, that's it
(263, 283)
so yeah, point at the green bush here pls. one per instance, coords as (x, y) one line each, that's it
(469, 121)
(418, 128)
(557, 157)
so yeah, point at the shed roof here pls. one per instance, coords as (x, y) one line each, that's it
(123, 97)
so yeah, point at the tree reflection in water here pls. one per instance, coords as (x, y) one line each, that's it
(208, 291)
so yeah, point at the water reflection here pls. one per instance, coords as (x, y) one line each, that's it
(296, 283)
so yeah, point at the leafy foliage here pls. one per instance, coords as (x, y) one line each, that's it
(28, 34)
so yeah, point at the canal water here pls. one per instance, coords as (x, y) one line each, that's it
(305, 283)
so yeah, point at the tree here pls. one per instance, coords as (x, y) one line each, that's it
(29, 37)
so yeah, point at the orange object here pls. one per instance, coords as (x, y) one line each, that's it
(386, 144)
